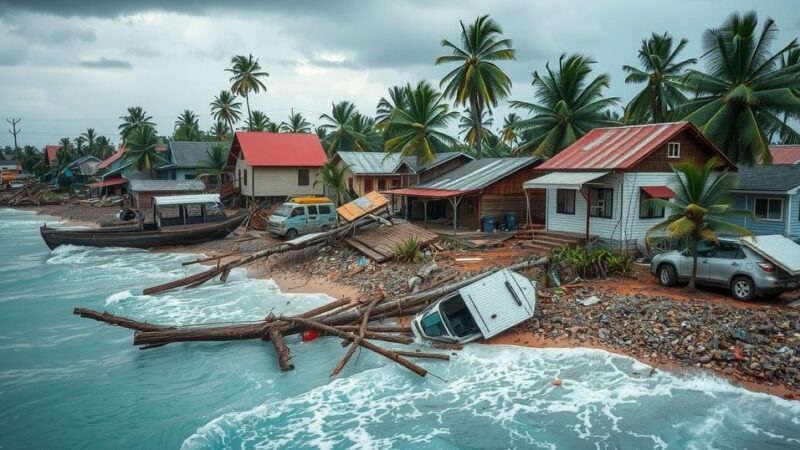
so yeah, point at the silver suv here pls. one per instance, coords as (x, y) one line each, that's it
(725, 264)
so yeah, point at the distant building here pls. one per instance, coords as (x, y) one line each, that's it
(785, 154)
(50, 154)
(772, 193)
(275, 166)
(184, 159)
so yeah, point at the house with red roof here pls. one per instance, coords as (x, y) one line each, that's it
(597, 186)
(275, 166)
(785, 154)
(50, 152)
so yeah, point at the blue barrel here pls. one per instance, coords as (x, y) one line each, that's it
(487, 224)
(512, 221)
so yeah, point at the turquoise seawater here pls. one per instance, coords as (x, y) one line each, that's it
(67, 382)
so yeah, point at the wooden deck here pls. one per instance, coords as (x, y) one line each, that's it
(379, 243)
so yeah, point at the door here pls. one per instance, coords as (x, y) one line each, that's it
(297, 219)
(704, 251)
(312, 219)
(724, 262)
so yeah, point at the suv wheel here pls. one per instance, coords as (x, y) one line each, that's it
(291, 233)
(667, 275)
(743, 288)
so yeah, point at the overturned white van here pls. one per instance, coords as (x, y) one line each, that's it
(480, 310)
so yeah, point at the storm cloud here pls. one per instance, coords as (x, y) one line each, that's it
(105, 63)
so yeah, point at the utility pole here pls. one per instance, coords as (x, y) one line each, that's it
(14, 131)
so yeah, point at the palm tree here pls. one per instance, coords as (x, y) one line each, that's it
(258, 121)
(225, 108)
(699, 210)
(135, 118)
(568, 106)
(246, 78)
(477, 80)
(216, 164)
(296, 124)
(739, 100)
(90, 136)
(662, 76)
(142, 149)
(103, 148)
(333, 176)
(79, 145)
(790, 58)
(510, 131)
(418, 129)
(219, 131)
(347, 129)
(187, 127)
(65, 144)
(471, 129)
(387, 106)
(495, 146)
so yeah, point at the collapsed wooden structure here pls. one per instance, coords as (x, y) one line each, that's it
(344, 319)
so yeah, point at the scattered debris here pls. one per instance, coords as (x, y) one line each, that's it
(588, 301)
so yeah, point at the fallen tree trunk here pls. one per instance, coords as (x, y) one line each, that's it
(202, 277)
(362, 342)
(213, 258)
(119, 321)
(441, 356)
(284, 355)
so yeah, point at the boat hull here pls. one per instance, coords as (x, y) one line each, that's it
(142, 238)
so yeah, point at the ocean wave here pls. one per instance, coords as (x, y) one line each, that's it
(505, 396)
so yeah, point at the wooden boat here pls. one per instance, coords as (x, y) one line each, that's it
(179, 220)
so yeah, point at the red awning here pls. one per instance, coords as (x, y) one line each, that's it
(425, 193)
(659, 191)
(107, 183)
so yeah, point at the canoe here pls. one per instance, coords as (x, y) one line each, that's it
(145, 237)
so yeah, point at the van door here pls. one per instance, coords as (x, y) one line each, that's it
(327, 216)
(312, 219)
(297, 219)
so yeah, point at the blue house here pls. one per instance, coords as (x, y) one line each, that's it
(185, 159)
(771, 193)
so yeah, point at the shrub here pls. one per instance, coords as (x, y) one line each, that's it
(408, 251)
(593, 263)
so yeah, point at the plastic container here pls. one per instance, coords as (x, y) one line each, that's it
(487, 224)
(512, 221)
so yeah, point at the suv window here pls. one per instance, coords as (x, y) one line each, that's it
(324, 209)
(705, 248)
(727, 250)
(312, 210)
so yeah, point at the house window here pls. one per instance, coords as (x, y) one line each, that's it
(649, 211)
(469, 206)
(302, 177)
(189, 176)
(396, 183)
(240, 178)
(350, 183)
(601, 202)
(674, 150)
(245, 177)
(367, 186)
(381, 184)
(769, 208)
(565, 201)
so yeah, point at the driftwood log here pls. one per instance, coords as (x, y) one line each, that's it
(284, 355)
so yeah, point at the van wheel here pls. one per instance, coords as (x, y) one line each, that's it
(743, 288)
(291, 233)
(667, 275)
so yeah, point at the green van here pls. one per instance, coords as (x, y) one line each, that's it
(294, 218)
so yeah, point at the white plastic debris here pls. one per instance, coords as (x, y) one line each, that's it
(589, 301)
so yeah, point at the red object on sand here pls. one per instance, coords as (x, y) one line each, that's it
(310, 335)
(737, 353)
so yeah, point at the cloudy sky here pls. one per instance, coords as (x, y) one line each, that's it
(69, 65)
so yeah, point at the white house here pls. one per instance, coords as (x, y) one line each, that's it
(275, 166)
(614, 170)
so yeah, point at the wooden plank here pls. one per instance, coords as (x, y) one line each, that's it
(368, 252)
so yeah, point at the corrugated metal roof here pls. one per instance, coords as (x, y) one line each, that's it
(785, 154)
(371, 163)
(620, 147)
(563, 180)
(263, 149)
(50, 152)
(188, 155)
(111, 159)
(185, 199)
(499, 301)
(166, 185)
(108, 182)
(478, 174)
(443, 157)
(424, 193)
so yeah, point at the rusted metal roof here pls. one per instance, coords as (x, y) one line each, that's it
(621, 148)
(659, 191)
(785, 154)
(478, 174)
(362, 206)
(107, 183)
(425, 193)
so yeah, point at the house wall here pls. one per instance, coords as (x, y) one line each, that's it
(760, 227)
(278, 182)
(692, 151)
(359, 182)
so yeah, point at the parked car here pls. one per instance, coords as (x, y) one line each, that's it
(764, 266)
(302, 216)
(482, 309)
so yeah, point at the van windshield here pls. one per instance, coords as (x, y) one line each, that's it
(432, 324)
(283, 211)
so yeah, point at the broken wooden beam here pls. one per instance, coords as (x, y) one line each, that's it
(120, 321)
(284, 355)
(417, 354)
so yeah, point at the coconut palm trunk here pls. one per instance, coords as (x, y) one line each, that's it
(249, 115)
(477, 111)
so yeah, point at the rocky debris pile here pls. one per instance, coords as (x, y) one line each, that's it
(346, 266)
(754, 344)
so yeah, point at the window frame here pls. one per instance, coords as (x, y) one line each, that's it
(610, 206)
(670, 147)
(642, 197)
(768, 200)
(245, 177)
(371, 183)
(303, 177)
(559, 210)
(381, 184)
